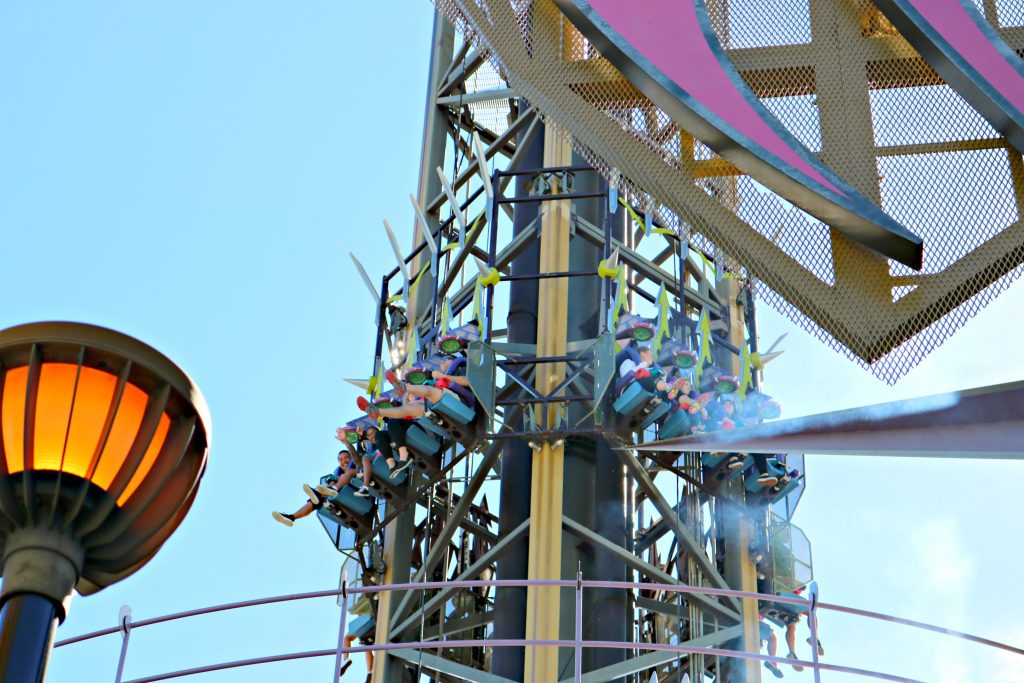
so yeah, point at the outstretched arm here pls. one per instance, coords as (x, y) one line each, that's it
(461, 380)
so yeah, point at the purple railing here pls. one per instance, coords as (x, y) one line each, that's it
(577, 643)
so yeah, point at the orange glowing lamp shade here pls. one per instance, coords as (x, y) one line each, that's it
(83, 426)
(102, 437)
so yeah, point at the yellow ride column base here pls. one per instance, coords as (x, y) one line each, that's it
(545, 562)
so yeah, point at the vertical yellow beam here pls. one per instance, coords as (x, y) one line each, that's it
(542, 603)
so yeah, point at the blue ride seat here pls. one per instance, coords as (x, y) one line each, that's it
(363, 628)
(424, 446)
(351, 510)
(676, 424)
(750, 480)
(783, 614)
(654, 414)
(790, 487)
(639, 408)
(383, 485)
(717, 471)
(712, 460)
(433, 429)
(451, 408)
(632, 399)
(454, 417)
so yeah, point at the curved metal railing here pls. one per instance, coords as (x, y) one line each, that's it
(577, 643)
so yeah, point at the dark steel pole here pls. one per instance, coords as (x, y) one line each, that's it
(516, 456)
(27, 625)
(597, 497)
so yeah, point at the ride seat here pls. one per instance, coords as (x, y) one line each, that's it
(676, 424)
(424, 446)
(793, 484)
(783, 614)
(639, 408)
(717, 469)
(750, 480)
(454, 417)
(363, 627)
(383, 485)
(353, 511)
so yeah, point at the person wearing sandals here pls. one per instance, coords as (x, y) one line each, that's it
(341, 475)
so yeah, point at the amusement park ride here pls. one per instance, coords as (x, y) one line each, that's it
(606, 176)
(604, 179)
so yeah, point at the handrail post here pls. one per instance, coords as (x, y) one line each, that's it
(342, 630)
(579, 627)
(812, 621)
(124, 625)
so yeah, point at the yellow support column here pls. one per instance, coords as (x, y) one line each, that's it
(545, 561)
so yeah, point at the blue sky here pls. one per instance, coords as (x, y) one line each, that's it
(194, 174)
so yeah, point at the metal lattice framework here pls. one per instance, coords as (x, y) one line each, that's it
(843, 81)
(522, 79)
(442, 525)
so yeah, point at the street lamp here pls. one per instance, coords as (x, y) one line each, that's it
(103, 441)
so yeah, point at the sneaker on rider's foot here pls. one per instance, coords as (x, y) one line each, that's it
(796, 667)
(314, 496)
(363, 492)
(344, 667)
(735, 463)
(326, 491)
(767, 480)
(821, 648)
(398, 384)
(400, 467)
(774, 668)
(284, 518)
(367, 407)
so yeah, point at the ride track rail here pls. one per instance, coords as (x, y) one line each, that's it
(577, 643)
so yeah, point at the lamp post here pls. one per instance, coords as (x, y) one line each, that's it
(103, 441)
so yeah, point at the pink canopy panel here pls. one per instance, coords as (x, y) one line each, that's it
(669, 51)
(957, 41)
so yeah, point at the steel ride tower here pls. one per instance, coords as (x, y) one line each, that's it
(564, 234)
(546, 483)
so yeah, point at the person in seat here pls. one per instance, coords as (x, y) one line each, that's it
(362, 449)
(769, 638)
(450, 378)
(791, 634)
(690, 403)
(350, 638)
(341, 475)
(635, 363)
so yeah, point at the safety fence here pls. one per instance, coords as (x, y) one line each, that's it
(811, 605)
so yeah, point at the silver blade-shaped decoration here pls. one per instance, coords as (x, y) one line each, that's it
(366, 279)
(450, 193)
(481, 167)
(428, 237)
(398, 256)
(481, 158)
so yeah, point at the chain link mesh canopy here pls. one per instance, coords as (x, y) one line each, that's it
(845, 83)
(103, 441)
